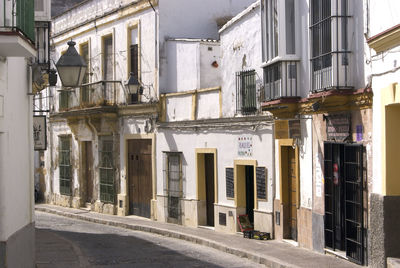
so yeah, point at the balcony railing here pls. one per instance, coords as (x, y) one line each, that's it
(18, 15)
(330, 71)
(98, 94)
(281, 80)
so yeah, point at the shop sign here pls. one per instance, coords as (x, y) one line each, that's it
(245, 145)
(281, 129)
(39, 132)
(294, 129)
(338, 127)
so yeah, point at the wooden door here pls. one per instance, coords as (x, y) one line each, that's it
(139, 177)
(292, 183)
(209, 174)
(88, 169)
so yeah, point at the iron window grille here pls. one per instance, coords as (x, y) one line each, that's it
(246, 93)
(281, 80)
(65, 165)
(106, 170)
(330, 53)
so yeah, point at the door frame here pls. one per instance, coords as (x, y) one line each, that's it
(282, 173)
(201, 181)
(240, 185)
(124, 195)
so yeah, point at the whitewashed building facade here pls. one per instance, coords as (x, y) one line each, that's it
(102, 144)
(216, 147)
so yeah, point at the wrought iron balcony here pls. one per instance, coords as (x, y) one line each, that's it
(280, 80)
(92, 95)
(18, 16)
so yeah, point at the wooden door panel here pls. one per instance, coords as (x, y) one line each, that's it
(292, 185)
(140, 177)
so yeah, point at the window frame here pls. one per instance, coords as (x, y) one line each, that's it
(85, 91)
(65, 168)
(107, 187)
(133, 26)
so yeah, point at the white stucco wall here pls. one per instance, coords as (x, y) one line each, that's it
(189, 64)
(16, 147)
(241, 50)
(198, 21)
(225, 141)
(377, 69)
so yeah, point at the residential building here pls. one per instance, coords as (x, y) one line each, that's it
(17, 47)
(382, 72)
(213, 144)
(102, 139)
(314, 85)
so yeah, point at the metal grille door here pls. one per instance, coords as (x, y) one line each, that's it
(354, 202)
(174, 186)
(329, 198)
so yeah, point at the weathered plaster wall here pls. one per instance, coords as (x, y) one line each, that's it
(241, 50)
(119, 27)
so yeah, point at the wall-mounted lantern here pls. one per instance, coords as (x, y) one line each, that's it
(134, 88)
(71, 67)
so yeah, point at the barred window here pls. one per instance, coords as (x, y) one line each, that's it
(246, 95)
(106, 169)
(65, 165)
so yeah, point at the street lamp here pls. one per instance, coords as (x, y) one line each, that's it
(71, 67)
(134, 88)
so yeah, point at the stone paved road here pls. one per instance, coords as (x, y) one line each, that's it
(64, 242)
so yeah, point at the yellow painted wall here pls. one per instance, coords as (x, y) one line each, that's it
(390, 108)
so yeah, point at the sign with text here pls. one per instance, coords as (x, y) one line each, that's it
(245, 145)
(294, 129)
(281, 129)
(39, 133)
(338, 127)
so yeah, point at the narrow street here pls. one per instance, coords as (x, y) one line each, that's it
(64, 242)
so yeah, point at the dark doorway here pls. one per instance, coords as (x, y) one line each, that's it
(140, 177)
(249, 174)
(87, 154)
(209, 174)
(343, 173)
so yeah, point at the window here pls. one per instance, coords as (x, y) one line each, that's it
(329, 53)
(65, 164)
(106, 169)
(134, 60)
(280, 80)
(65, 99)
(85, 91)
(174, 184)
(246, 97)
(108, 66)
(279, 28)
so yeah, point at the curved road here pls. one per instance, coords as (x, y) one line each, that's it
(64, 242)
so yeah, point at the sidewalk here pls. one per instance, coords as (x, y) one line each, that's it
(271, 253)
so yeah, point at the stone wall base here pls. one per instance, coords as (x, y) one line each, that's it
(19, 249)
(384, 229)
